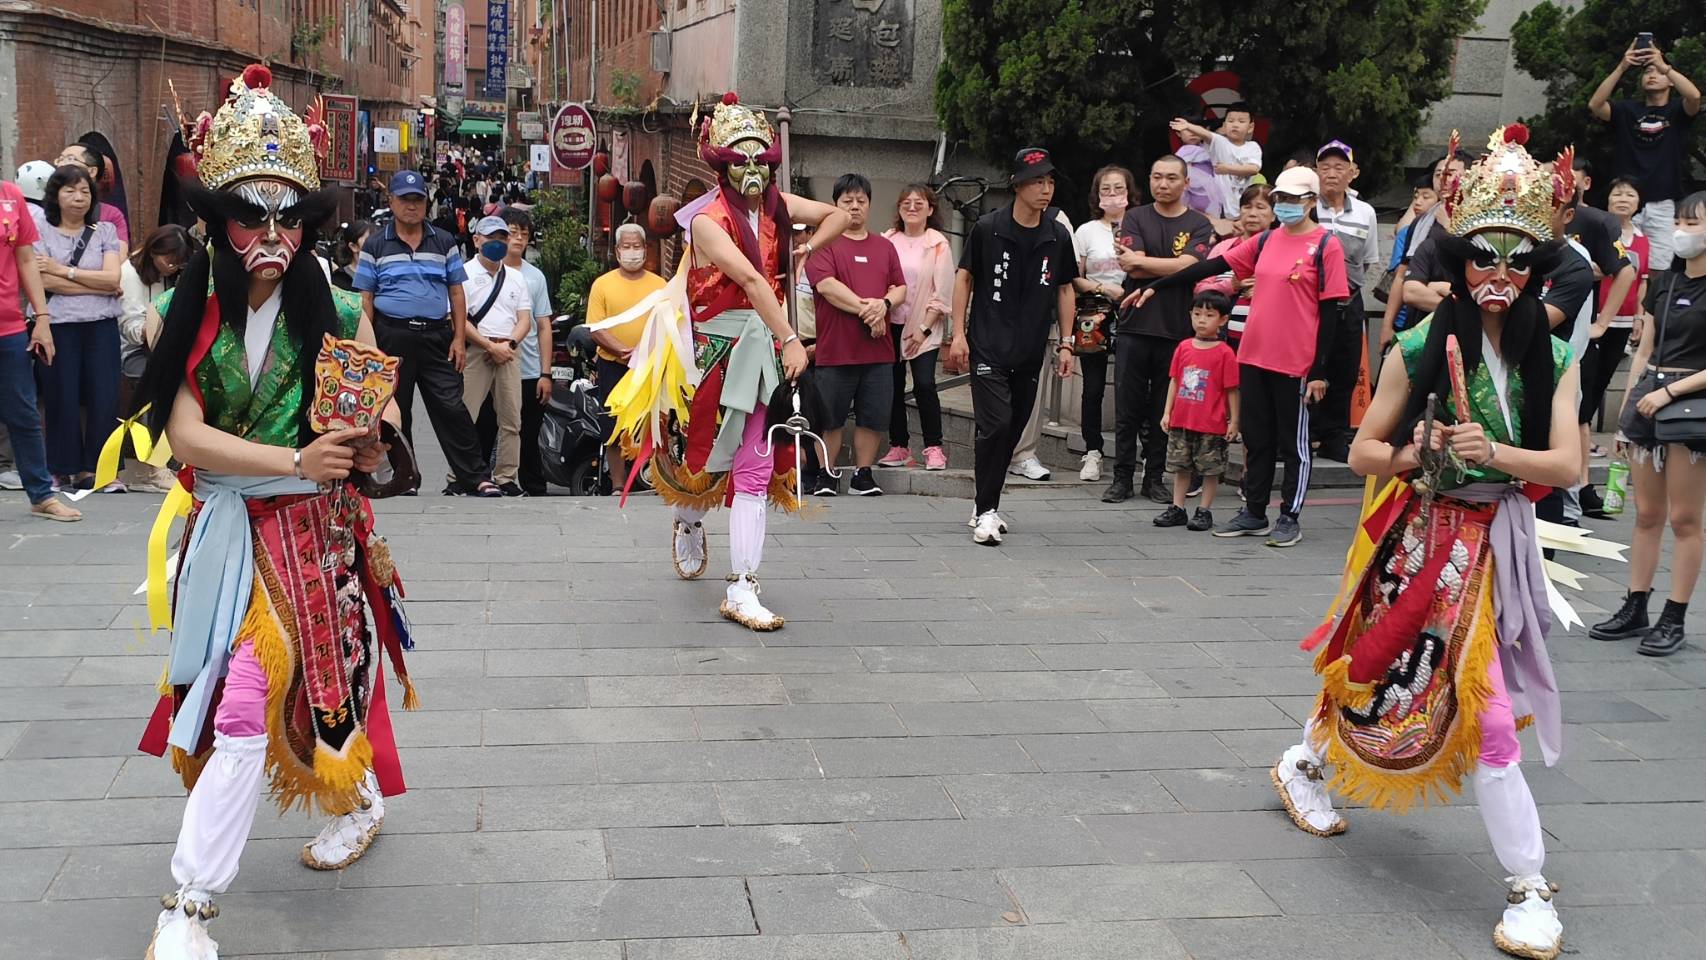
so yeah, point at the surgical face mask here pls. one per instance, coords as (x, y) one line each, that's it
(494, 249)
(1687, 244)
(631, 259)
(1288, 213)
(1114, 203)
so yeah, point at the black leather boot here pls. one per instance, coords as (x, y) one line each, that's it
(1630, 620)
(1667, 636)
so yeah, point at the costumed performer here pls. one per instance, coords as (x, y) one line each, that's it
(271, 682)
(730, 288)
(1439, 655)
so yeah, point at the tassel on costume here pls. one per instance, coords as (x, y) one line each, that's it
(1336, 681)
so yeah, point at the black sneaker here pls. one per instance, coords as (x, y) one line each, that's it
(512, 489)
(1592, 505)
(1119, 491)
(1202, 520)
(1286, 532)
(824, 486)
(864, 484)
(1171, 517)
(1157, 490)
(1244, 524)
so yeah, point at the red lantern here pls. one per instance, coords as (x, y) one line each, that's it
(660, 219)
(600, 163)
(635, 195)
(608, 187)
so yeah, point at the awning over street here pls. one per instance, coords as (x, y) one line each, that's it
(480, 127)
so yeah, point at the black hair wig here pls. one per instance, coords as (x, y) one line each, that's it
(1526, 342)
(306, 308)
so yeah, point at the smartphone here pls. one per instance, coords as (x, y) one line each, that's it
(1644, 40)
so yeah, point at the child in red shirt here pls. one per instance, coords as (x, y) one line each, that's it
(1201, 417)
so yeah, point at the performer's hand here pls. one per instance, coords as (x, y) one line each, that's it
(793, 360)
(1438, 439)
(370, 453)
(1653, 402)
(458, 354)
(542, 389)
(1137, 298)
(1469, 441)
(959, 355)
(1314, 391)
(329, 457)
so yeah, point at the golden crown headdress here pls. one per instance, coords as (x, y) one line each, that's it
(255, 134)
(1508, 189)
(734, 121)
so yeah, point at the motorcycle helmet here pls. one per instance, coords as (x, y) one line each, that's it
(32, 179)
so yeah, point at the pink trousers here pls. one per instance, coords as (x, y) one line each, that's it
(751, 472)
(242, 707)
(1499, 745)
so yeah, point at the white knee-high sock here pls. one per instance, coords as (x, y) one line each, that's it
(1513, 821)
(746, 533)
(220, 813)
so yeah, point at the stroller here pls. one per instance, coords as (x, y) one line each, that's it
(573, 428)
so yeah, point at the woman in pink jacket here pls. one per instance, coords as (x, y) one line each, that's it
(919, 326)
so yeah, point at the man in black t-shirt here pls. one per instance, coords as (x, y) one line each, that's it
(1155, 240)
(1015, 276)
(1651, 138)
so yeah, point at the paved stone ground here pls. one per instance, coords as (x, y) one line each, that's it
(1056, 749)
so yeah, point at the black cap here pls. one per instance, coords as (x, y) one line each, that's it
(1030, 163)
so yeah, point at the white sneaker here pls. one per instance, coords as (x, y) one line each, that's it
(742, 605)
(971, 524)
(1030, 468)
(1530, 927)
(1302, 787)
(1092, 469)
(688, 551)
(9, 480)
(180, 932)
(989, 529)
(342, 841)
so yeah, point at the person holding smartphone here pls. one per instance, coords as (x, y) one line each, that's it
(1651, 136)
(19, 342)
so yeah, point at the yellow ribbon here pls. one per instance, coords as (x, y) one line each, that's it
(149, 452)
(159, 600)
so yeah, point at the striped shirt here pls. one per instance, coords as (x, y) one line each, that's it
(410, 283)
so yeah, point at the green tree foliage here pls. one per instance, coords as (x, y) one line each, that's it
(1572, 50)
(568, 266)
(1097, 81)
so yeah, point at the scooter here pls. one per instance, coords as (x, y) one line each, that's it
(571, 432)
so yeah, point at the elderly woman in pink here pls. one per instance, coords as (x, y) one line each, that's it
(919, 326)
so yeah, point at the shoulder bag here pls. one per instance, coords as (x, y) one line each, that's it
(1683, 420)
(76, 253)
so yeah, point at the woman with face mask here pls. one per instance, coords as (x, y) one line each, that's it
(1670, 478)
(1299, 269)
(1100, 284)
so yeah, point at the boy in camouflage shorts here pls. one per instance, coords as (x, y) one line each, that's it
(1201, 417)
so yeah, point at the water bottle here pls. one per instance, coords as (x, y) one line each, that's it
(1616, 488)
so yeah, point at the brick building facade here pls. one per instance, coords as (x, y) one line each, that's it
(72, 66)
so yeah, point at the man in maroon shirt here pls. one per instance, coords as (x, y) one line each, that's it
(857, 281)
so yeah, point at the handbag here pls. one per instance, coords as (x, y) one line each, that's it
(1683, 420)
(1383, 286)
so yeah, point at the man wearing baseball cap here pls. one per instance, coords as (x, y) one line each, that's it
(1014, 280)
(410, 276)
(500, 314)
(1352, 220)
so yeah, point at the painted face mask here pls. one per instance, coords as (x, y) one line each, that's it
(752, 176)
(268, 232)
(1500, 269)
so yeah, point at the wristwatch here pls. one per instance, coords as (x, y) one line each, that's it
(71, 273)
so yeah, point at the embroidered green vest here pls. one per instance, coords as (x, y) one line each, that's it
(270, 412)
(1483, 399)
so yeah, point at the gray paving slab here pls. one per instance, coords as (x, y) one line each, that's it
(836, 801)
(1115, 940)
(871, 902)
(739, 851)
(1054, 749)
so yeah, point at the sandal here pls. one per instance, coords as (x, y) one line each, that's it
(52, 509)
(487, 488)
